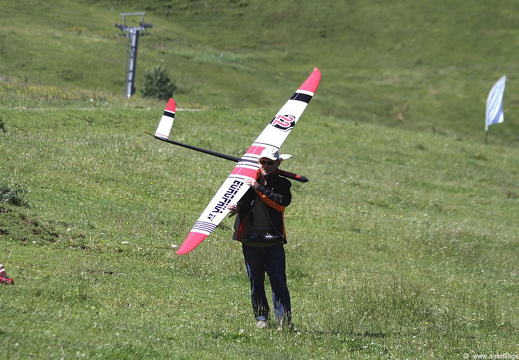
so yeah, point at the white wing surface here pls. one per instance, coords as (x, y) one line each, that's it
(234, 187)
(166, 121)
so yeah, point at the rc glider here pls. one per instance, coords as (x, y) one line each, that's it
(234, 186)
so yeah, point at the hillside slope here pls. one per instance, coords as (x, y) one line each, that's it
(417, 65)
(402, 245)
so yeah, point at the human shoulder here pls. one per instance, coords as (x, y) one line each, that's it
(283, 181)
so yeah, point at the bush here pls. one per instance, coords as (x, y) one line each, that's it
(157, 84)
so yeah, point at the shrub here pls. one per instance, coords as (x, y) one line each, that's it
(157, 84)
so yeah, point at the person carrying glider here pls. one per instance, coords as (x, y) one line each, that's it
(260, 228)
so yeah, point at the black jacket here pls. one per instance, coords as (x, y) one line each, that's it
(275, 196)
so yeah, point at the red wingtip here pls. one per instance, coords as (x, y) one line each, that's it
(312, 82)
(191, 242)
(171, 106)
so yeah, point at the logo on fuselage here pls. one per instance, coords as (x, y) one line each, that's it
(284, 122)
(226, 199)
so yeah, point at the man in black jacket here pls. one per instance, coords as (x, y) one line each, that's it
(260, 228)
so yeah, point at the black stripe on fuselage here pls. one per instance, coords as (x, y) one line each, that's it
(204, 226)
(301, 97)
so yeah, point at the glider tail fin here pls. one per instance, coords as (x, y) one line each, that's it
(166, 121)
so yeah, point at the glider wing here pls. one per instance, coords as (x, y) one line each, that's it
(164, 128)
(234, 187)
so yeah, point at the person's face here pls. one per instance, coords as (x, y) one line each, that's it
(268, 167)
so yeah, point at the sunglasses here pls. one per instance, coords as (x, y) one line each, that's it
(267, 162)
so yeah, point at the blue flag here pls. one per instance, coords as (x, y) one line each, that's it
(494, 113)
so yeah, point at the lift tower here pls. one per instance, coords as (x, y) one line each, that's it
(133, 33)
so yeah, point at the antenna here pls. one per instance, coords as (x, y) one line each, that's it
(133, 34)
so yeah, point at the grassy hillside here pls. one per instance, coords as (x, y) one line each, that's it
(403, 244)
(403, 247)
(416, 65)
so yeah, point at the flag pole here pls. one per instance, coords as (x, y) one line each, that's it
(486, 126)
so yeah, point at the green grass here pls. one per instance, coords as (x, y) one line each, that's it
(402, 245)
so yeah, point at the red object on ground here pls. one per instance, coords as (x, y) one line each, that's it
(5, 280)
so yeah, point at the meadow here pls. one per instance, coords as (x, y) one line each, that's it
(402, 245)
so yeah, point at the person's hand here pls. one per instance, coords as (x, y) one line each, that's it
(251, 182)
(234, 209)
